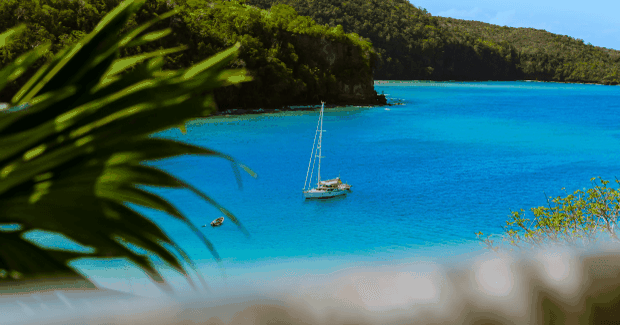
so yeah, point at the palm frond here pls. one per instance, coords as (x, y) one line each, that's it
(73, 159)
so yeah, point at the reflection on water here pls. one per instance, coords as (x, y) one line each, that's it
(327, 200)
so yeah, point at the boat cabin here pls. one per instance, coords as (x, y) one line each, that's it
(331, 182)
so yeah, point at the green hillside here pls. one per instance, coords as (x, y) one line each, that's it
(415, 45)
(547, 56)
(292, 59)
(331, 50)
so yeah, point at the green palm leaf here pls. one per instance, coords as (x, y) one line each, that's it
(73, 159)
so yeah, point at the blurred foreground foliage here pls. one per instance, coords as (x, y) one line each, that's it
(73, 141)
(577, 220)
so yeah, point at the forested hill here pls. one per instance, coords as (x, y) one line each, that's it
(413, 44)
(544, 55)
(292, 59)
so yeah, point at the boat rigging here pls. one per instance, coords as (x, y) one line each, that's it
(324, 189)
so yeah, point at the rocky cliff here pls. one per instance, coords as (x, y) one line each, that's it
(326, 70)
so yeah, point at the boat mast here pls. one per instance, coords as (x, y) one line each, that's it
(318, 183)
(308, 181)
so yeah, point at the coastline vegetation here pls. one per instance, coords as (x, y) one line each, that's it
(576, 220)
(414, 45)
(546, 56)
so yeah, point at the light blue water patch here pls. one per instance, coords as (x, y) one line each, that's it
(53, 240)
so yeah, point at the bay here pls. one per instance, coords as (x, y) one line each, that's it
(454, 159)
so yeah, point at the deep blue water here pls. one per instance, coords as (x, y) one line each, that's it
(455, 159)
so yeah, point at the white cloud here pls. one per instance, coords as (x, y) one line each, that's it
(503, 18)
(461, 14)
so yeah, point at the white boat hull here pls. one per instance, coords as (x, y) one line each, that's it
(323, 194)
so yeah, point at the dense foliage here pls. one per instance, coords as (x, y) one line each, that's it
(415, 45)
(577, 219)
(405, 37)
(282, 50)
(546, 56)
(74, 139)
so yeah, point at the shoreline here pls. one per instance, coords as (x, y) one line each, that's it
(292, 108)
(380, 82)
(289, 108)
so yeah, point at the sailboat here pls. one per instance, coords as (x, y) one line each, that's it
(324, 189)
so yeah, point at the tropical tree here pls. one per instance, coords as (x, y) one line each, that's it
(73, 143)
(577, 219)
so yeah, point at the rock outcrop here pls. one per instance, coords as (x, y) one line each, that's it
(341, 74)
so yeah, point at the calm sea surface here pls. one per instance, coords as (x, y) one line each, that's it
(453, 160)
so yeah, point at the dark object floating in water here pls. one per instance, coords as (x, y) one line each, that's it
(217, 222)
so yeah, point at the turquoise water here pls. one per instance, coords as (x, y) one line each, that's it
(455, 159)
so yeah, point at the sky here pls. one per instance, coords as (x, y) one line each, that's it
(594, 21)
